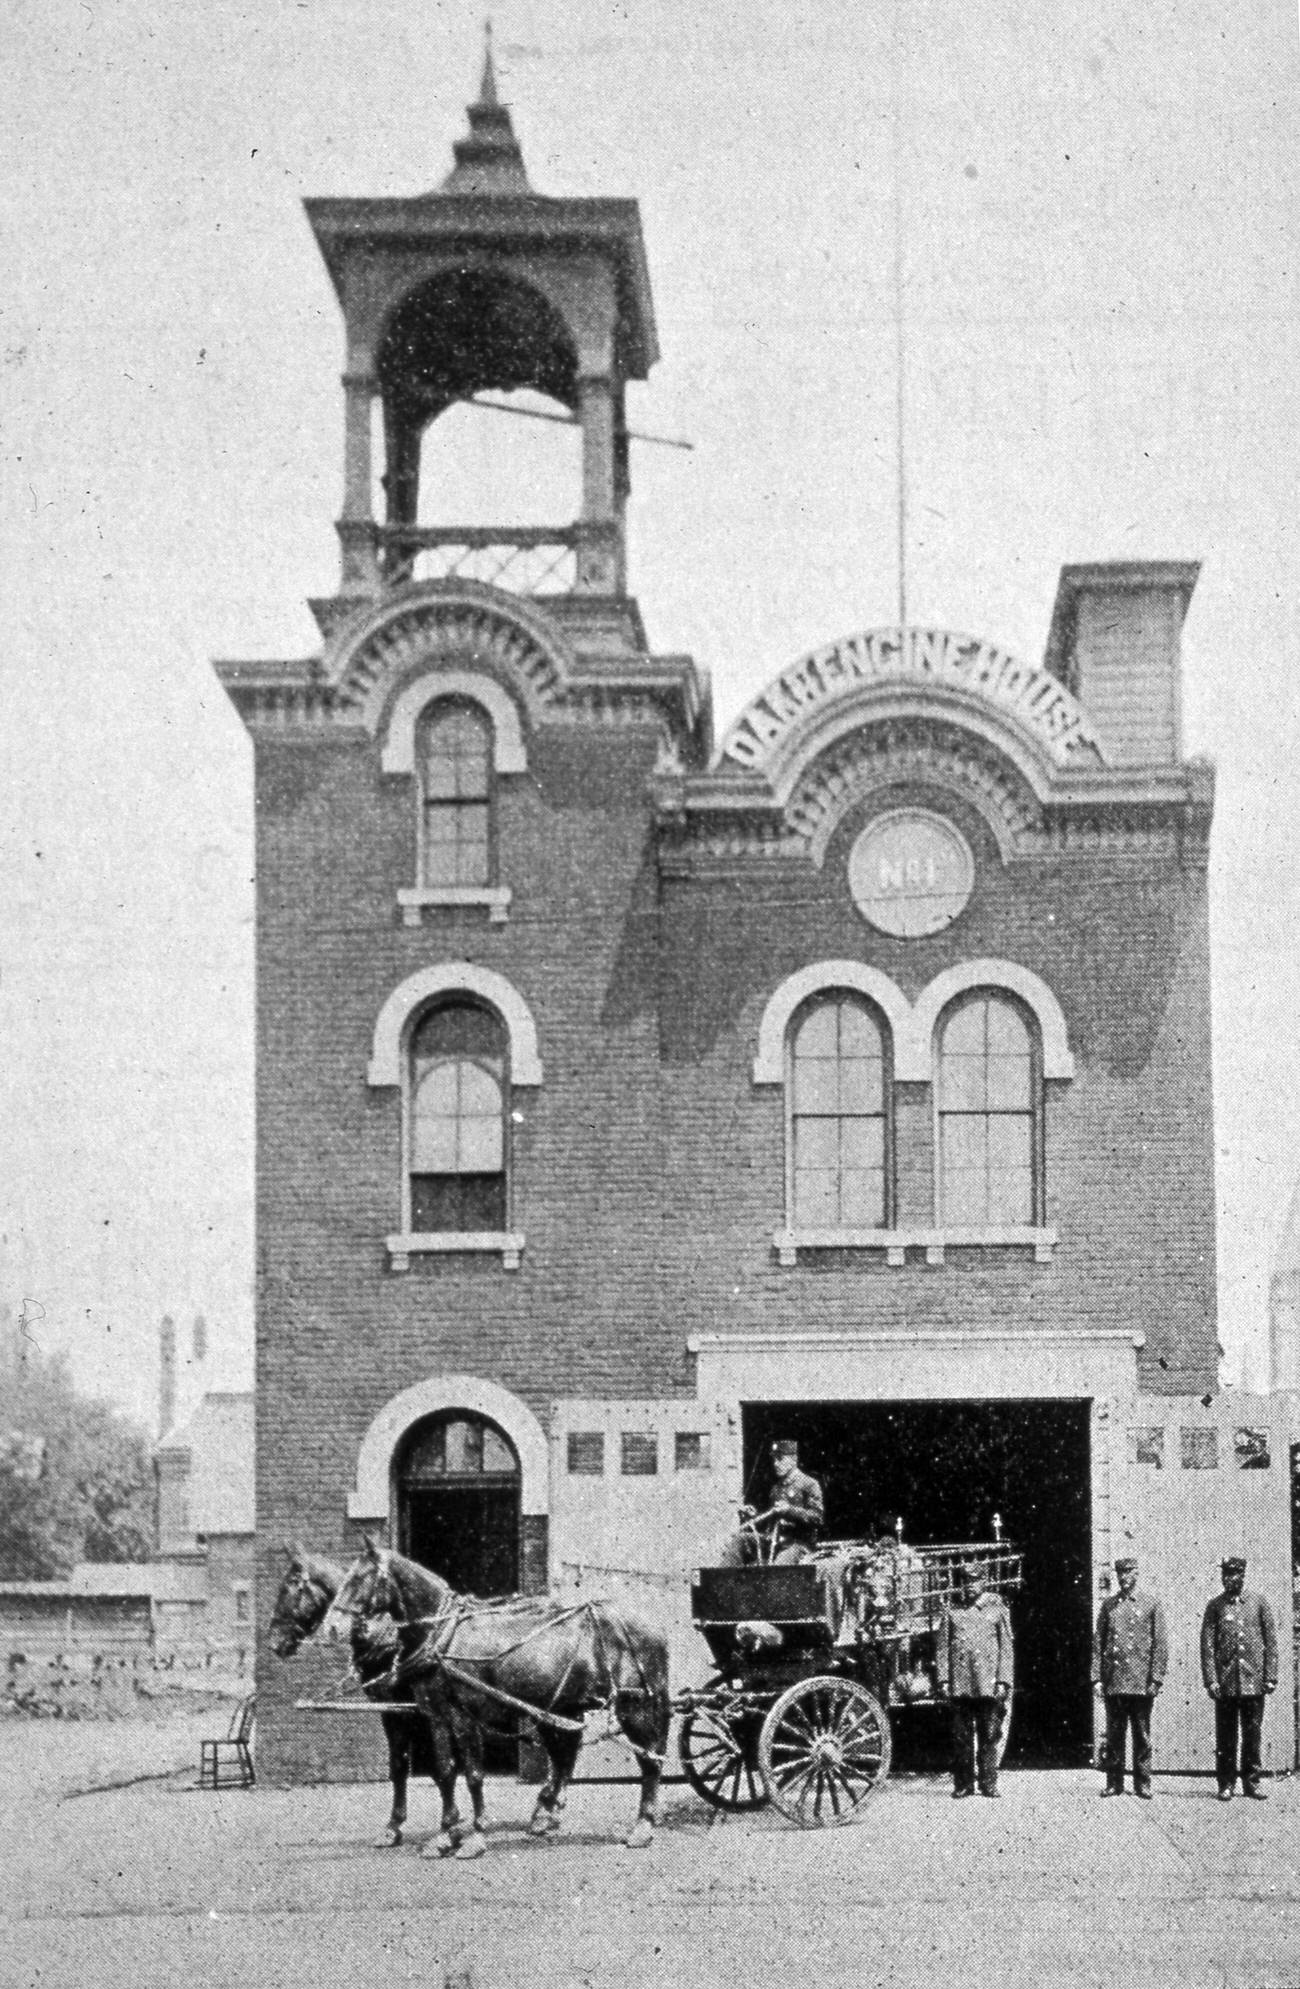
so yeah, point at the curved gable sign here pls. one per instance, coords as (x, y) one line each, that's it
(918, 657)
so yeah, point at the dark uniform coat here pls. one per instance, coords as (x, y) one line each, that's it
(976, 1650)
(1130, 1649)
(797, 1501)
(1239, 1647)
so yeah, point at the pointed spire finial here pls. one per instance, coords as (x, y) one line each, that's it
(487, 89)
(488, 160)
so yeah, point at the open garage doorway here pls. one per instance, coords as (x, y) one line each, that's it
(946, 1468)
(456, 1477)
(457, 1483)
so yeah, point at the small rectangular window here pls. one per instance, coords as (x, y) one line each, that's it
(1251, 1449)
(1200, 1450)
(691, 1451)
(640, 1454)
(241, 1605)
(1147, 1446)
(586, 1454)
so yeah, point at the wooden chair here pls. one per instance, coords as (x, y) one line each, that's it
(234, 1744)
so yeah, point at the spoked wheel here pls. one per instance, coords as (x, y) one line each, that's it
(824, 1751)
(718, 1758)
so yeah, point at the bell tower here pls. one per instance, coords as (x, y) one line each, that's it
(484, 285)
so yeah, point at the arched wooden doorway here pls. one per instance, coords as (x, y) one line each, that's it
(457, 1483)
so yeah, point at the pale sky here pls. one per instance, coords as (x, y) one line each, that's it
(1101, 219)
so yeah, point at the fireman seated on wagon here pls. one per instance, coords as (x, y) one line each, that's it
(790, 1527)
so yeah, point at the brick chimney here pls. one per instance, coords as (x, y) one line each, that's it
(1116, 642)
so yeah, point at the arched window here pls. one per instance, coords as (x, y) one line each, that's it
(838, 1133)
(455, 773)
(989, 1098)
(457, 1119)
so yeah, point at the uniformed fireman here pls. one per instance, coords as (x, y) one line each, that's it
(976, 1654)
(1239, 1666)
(1130, 1654)
(792, 1523)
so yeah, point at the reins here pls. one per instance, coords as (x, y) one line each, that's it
(435, 1654)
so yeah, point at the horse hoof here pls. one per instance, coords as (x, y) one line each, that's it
(472, 1846)
(389, 1841)
(437, 1847)
(544, 1823)
(641, 1834)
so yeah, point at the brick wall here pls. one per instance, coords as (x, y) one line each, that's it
(1122, 942)
(648, 1170)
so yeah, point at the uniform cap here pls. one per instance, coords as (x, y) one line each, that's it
(1125, 1565)
(785, 1447)
(1233, 1562)
(971, 1571)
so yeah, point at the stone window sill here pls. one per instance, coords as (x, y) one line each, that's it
(414, 901)
(897, 1242)
(507, 1243)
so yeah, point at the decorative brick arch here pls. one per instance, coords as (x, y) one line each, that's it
(769, 1064)
(457, 624)
(397, 733)
(1058, 1061)
(453, 977)
(877, 757)
(446, 1393)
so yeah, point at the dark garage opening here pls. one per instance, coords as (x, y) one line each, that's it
(457, 1482)
(946, 1468)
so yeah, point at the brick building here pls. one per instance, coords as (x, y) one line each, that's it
(204, 1472)
(623, 1101)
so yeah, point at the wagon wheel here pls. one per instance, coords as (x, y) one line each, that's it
(824, 1751)
(717, 1757)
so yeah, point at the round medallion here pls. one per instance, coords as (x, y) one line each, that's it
(911, 873)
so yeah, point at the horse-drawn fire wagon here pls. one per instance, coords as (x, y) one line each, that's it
(813, 1661)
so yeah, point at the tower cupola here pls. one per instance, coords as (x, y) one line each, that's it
(485, 286)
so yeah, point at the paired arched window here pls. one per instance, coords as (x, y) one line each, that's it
(983, 1038)
(454, 761)
(838, 1142)
(988, 1102)
(457, 1119)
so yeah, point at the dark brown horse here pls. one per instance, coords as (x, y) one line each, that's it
(541, 1655)
(301, 1606)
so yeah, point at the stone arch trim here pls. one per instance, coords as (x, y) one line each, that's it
(397, 731)
(1058, 1060)
(453, 977)
(457, 624)
(371, 1495)
(824, 975)
(912, 1023)
(892, 704)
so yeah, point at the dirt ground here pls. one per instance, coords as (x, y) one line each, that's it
(152, 1882)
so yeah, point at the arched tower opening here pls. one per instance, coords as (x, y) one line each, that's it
(461, 333)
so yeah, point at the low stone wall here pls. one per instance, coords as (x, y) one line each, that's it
(79, 1682)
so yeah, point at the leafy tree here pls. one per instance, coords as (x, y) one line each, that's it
(76, 1478)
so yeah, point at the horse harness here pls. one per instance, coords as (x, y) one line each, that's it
(432, 1655)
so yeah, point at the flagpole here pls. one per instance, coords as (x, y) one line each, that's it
(900, 401)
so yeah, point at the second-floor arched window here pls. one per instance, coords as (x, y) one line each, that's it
(989, 1109)
(457, 1119)
(455, 774)
(837, 1116)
